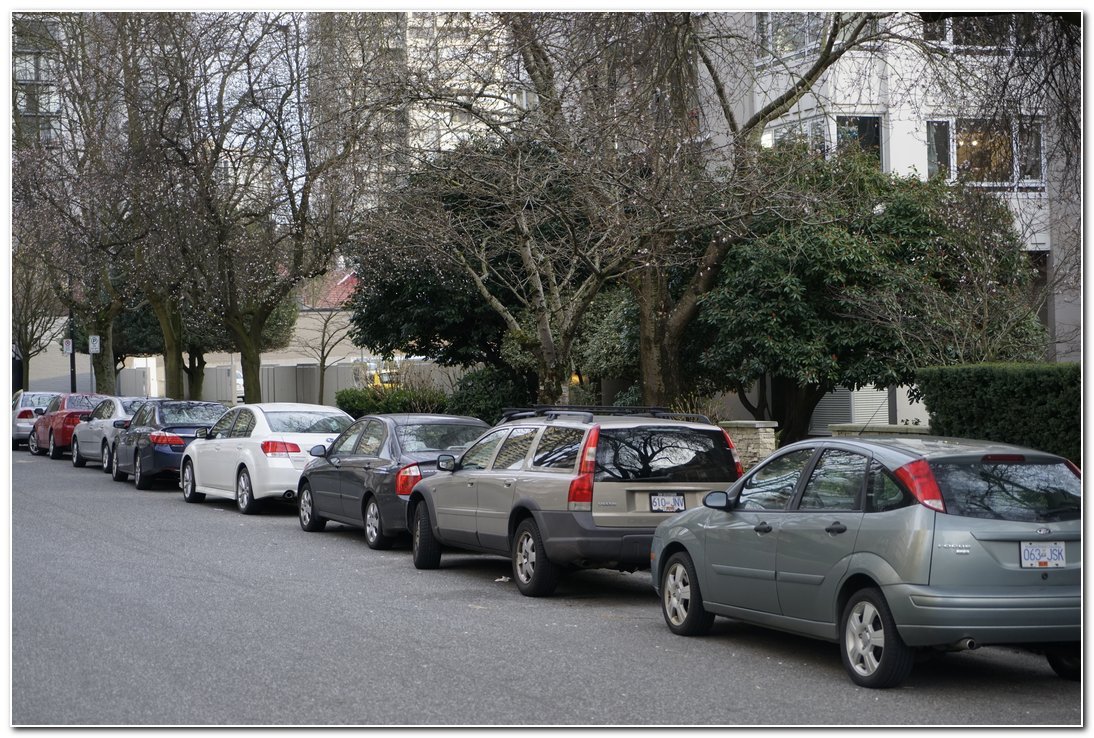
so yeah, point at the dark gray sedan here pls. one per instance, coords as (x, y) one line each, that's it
(365, 477)
(887, 546)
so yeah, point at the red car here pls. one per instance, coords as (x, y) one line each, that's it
(52, 430)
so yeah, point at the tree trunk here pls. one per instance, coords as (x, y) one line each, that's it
(247, 340)
(26, 369)
(195, 374)
(170, 318)
(658, 344)
(792, 405)
(322, 379)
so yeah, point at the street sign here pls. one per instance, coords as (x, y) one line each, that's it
(93, 344)
(67, 345)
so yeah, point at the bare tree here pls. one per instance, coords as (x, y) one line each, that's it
(327, 323)
(35, 310)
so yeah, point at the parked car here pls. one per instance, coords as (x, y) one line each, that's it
(23, 405)
(569, 487)
(52, 430)
(154, 439)
(94, 437)
(365, 477)
(255, 452)
(886, 546)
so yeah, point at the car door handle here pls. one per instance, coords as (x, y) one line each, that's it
(762, 528)
(836, 528)
(336, 461)
(507, 482)
(470, 484)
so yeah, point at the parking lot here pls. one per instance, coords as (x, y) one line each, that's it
(132, 607)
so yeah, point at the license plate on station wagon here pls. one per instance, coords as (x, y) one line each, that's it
(667, 503)
(1041, 554)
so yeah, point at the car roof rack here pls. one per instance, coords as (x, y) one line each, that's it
(588, 411)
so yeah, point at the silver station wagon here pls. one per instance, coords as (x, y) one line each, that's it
(887, 546)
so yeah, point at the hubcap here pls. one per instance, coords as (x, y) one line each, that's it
(32, 442)
(372, 521)
(75, 450)
(244, 495)
(137, 470)
(305, 506)
(677, 593)
(51, 447)
(105, 454)
(114, 463)
(416, 540)
(526, 557)
(864, 638)
(188, 480)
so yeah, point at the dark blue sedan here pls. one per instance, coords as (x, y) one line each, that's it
(152, 441)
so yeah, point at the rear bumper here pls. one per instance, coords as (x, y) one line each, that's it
(279, 477)
(931, 617)
(573, 538)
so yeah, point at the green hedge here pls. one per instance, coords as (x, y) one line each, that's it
(483, 393)
(1033, 405)
(372, 400)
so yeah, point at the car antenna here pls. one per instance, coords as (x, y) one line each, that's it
(872, 416)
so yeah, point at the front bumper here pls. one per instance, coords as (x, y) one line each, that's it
(573, 538)
(932, 617)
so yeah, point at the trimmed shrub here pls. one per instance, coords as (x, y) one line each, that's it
(1033, 405)
(371, 400)
(483, 393)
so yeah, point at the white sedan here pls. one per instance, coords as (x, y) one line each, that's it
(93, 438)
(257, 451)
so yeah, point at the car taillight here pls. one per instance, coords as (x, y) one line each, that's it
(72, 419)
(406, 478)
(580, 496)
(279, 448)
(25, 414)
(164, 439)
(919, 479)
(733, 450)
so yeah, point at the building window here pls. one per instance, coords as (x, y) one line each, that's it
(990, 152)
(863, 131)
(782, 35)
(812, 133)
(982, 33)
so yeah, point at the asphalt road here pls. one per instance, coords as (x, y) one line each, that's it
(135, 608)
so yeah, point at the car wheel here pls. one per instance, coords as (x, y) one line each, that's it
(1066, 661)
(140, 479)
(107, 457)
(77, 460)
(189, 484)
(681, 600)
(374, 536)
(873, 652)
(309, 520)
(245, 498)
(425, 550)
(14, 444)
(115, 473)
(54, 451)
(534, 573)
(32, 444)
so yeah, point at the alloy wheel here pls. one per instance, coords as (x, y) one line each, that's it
(677, 593)
(372, 521)
(864, 638)
(526, 557)
(305, 506)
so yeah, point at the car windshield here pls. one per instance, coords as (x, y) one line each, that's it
(35, 399)
(1010, 491)
(417, 437)
(664, 454)
(303, 421)
(192, 412)
(129, 407)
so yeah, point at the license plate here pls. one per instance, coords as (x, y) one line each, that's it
(666, 503)
(1042, 554)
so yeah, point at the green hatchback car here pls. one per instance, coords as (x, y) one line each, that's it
(887, 546)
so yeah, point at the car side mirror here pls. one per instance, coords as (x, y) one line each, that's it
(446, 462)
(201, 433)
(722, 500)
(39, 411)
(319, 451)
(121, 424)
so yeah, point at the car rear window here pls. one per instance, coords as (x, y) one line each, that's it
(1010, 491)
(82, 402)
(191, 413)
(129, 407)
(419, 437)
(302, 421)
(664, 454)
(35, 399)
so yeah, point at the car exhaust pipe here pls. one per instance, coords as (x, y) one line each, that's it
(289, 494)
(967, 644)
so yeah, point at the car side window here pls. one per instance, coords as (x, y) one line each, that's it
(478, 456)
(372, 439)
(884, 493)
(836, 482)
(102, 410)
(54, 404)
(773, 484)
(348, 440)
(142, 417)
(514, 449)
(244, 424)
(221, 427)
(559, 448)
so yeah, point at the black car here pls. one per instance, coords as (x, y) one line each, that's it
(153, 440)
(365, 477)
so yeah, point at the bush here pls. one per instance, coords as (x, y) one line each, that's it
(1033, 405)
(371, 400)
(483, 393)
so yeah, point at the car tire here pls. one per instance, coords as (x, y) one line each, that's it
(189, 484)
(245, 497)
(534, 573)
(14, 444)
(425, 550)
(681, 599)
(374, 535)
(141, 480)
(107, 457)
(115, 473)
(78, 461)
(1066, 661)
(54, 452)
(32, 444)
(866, 622)
(309, 519)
